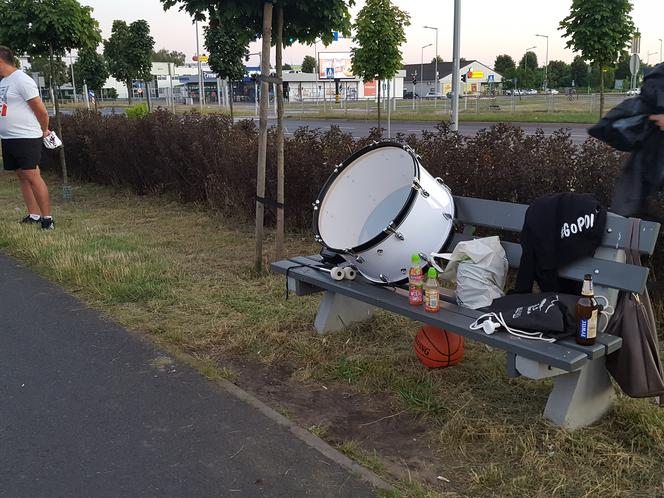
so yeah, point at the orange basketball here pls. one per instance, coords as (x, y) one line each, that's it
(437, 347)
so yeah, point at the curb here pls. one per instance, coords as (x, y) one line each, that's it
(307, 437)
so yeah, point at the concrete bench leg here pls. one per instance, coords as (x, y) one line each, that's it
(337, 312)
(582, 397)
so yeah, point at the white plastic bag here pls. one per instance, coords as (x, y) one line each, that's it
(479, 268)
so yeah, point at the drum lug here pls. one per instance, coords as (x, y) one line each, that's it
(384, 278)
(392, 230)
(418, 186)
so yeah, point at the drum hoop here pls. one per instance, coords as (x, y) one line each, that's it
(395, 222)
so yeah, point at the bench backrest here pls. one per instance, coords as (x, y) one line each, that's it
(505, 216)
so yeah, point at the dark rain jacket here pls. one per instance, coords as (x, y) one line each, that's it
(627, 128)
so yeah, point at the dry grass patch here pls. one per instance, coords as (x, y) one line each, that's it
(183, 276)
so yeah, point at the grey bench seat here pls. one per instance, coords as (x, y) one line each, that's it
(582, 390)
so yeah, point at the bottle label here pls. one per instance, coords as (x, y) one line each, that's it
(588, 328)
(415, 294)
(432, 299)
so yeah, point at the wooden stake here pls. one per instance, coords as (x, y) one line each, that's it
(262, 136)
(280, 136)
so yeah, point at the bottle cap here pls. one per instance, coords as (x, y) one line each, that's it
(432, 273)
(415, 258)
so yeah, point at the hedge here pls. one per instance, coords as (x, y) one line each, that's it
(211, 160)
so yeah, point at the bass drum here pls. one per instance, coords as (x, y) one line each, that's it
(380, 207)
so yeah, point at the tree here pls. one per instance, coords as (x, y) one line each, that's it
(622, 67)
(173, 57)
(579, 71)
(529, 61)
(559, 74)
(379, 33)
(48, 28)
(42, 65)
(288, 67)
(228, 45)
(600, 31)
(308, 64)
(297, 20)
(91, 69)
(440, 60)
(128, 52)
(504, 65)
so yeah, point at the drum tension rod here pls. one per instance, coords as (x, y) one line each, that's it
(418, 186)
(391, 229)
(352, 254)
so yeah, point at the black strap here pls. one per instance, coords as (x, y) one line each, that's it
(269, 202)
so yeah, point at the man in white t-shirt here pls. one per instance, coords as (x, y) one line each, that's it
(23, 125)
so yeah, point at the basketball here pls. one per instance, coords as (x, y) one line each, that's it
(437, 347)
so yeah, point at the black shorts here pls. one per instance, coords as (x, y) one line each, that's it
(21, 153)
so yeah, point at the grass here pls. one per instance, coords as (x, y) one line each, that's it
(182, 276)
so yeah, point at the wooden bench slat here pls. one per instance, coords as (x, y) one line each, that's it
(449, 318)
(507, 216)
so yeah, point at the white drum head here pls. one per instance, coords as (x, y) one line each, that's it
(366, 196)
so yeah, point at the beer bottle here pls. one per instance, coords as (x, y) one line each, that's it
(586, 314)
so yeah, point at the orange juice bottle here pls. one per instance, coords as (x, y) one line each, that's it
(431, 292)
(415, 282)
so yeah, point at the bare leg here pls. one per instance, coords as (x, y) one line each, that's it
(28, 196)
(38, 188)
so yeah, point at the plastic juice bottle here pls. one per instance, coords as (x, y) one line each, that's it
(416, 282)
(431, 293)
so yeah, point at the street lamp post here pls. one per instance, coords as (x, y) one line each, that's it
(73, 81)
(201, 89)
(648, 59)
(435, 64)
(546, 66)
(422, 69)
(660, 50)
(525, 59)
(456, 49)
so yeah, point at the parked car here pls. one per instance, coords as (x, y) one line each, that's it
(552, 91)
(435, 95)
(407, 95)
(634, 91)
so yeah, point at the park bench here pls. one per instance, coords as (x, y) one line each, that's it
(494, 106)
(582, 390)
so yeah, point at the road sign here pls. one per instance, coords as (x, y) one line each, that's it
(329, 72)
(634, 64)
(490, 78)
(335, 35)
(475, 74)
(203, 58)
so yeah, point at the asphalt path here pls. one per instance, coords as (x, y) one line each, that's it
(88, 409)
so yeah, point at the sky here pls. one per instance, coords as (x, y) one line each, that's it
(488, 28)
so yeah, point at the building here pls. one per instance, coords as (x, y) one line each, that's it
(483, 80)
(307, 87)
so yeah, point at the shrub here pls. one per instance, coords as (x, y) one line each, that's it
(209, 159)
(137, 111)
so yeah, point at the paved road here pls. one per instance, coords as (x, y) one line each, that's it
(361, 128)
(88, 409)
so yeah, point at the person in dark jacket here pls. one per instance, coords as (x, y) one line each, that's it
(643, 174)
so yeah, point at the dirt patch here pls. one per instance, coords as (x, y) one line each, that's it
(339, 415)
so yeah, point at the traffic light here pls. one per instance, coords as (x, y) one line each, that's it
(463, 78)
(414, 79)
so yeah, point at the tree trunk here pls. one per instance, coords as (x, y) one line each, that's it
(230, 98)
(380, 130)
(148, 97)
(262, 136)
(58, 124)
(601, 92)
(129, 92)
(279, 239)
